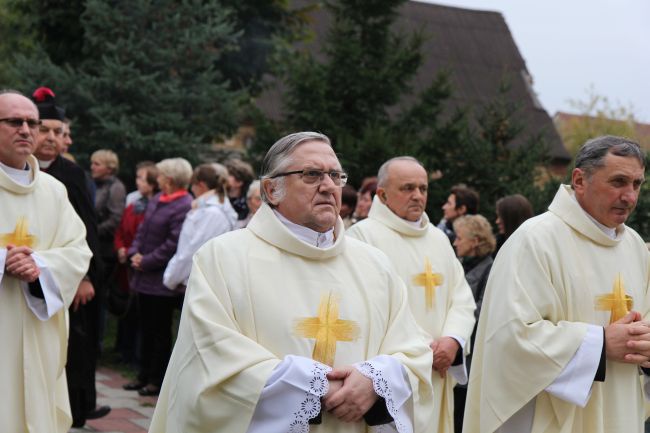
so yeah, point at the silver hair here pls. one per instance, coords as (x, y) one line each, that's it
(592, 154)
(255, 185)
(178, 170)
(278, 158)
(382, 174)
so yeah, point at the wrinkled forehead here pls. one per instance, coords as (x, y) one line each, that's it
(314, 154)
(14, 105)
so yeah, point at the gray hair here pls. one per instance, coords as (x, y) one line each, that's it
(255, 185)
(382, 175)
(592, 154)
(278, 158)
(178, 170)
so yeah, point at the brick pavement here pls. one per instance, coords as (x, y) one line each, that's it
(131, 413)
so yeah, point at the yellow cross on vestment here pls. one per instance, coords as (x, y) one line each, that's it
(19, 237)
(327, 329)
(617, 302)
(429, 281)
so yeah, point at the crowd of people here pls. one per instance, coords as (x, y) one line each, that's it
(305, 301)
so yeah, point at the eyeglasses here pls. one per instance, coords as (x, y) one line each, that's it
(17, 122)
(311, 177)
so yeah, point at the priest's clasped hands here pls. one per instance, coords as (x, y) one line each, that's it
(628, 340)
(20, 264)
(444, 352)
(350, 394)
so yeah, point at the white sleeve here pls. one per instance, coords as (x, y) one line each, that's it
(291, 396)
(459, 372)
(198, 228)
(52, 302)
(390, 381)
(575, 381)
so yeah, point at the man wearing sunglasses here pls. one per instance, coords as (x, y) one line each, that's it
(439, 295)
(43, 256)
(84, 311)
(288, 322)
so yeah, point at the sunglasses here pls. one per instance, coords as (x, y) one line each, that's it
(17, 122)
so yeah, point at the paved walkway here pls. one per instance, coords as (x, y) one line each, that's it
(131, 413)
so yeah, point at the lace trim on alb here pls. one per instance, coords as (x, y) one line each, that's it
(380, 385)
(310, 407)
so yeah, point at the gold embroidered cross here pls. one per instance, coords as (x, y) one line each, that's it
(429, 281)
(19, 237)
(617, 302)
(327, 329)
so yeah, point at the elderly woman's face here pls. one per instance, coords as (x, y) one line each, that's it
(464, 243)
(99, 170)
(254, 201)
(165, 184)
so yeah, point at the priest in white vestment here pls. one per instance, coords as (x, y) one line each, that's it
(43, 257)
(289, 326)
(561, 335)
(439, 295)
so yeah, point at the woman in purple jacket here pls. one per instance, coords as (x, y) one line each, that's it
(154, 245)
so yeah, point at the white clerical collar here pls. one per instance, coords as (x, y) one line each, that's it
(44, 164)
(610, 232)
(23, 177)
(415, 224)
(307, 235)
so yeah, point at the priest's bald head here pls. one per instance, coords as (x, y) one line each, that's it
(607, 178)
(18, 127)
(302, 180)
(402, 186)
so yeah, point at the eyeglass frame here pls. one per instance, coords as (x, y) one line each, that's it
(343, 176)
(30, 122)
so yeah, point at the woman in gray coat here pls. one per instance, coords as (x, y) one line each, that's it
(474, 245)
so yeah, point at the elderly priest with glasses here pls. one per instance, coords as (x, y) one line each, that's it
(289, 326)
(43, 257)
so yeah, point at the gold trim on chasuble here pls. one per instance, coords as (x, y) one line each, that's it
(327, 329)
(617, 302)
(19, 237)
(429, 281)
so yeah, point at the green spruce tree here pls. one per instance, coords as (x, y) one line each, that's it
(355, 91)
(148, 87)
(350, 92)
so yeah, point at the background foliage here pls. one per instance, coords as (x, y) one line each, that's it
(158, 78)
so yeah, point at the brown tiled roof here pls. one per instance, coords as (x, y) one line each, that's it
(475, 46)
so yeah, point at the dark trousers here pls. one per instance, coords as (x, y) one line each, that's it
(460, 395)
(156, 314)
(82, 359)
(127, 340)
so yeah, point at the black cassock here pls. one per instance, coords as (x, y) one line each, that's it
(83, 342)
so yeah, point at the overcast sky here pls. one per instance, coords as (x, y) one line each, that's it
(570, 45)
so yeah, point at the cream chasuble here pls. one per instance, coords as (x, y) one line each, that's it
(439, 296)
(258, 296)
(556, 274)
(38, 215)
